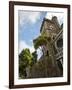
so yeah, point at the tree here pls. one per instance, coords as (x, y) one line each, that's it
(25, 59)
(40, 41)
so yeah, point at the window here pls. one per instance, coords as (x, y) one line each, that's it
(60, 43)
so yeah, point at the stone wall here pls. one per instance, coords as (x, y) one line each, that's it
(44, 68)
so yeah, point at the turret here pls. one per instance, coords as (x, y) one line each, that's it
(55, 20)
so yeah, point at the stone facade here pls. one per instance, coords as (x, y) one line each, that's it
(52, 29)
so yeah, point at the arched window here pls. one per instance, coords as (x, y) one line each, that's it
(60, 43)
(47, 53)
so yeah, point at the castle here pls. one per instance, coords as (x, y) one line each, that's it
(51, 28)
(51, 62)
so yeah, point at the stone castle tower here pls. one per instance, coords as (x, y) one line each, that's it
(51, 28)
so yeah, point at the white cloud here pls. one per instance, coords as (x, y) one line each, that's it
(59, 16)
(23, 45)
(28, 17)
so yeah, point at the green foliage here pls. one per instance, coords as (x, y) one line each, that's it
(25, 56)
(25, 59)
(40, 41)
